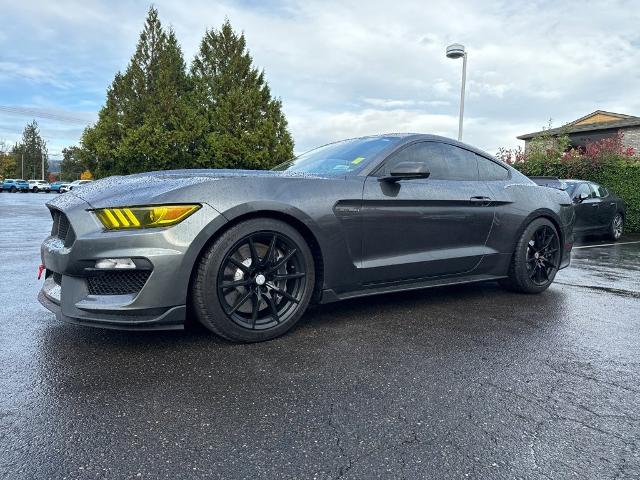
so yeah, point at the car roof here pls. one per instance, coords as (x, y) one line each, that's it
(575, 180)
(409, 137)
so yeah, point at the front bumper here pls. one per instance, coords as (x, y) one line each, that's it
(79, 293)
(171, 319)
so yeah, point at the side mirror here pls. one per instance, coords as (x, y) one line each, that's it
(581, 198)
(407, 171)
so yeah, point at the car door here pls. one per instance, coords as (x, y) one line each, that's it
(428, 227)
(587, 209)
(606, 205)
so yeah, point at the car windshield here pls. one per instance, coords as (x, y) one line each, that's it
(340, 157)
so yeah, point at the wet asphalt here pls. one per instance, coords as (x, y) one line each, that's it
(461, 382)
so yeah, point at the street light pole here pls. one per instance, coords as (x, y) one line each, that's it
(464, 82)
(456, 51)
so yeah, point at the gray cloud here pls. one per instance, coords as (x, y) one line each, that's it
(346, 68)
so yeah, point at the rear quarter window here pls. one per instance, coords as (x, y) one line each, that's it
(489, 170)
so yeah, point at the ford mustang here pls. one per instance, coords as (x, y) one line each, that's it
(246, 252)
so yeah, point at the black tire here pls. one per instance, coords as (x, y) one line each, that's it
(616, 227)
(35, 190)
(536, 258)
(263, 298)
(13, 189)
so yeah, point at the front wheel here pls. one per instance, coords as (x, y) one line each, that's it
(35, 190)
(255, 281)
(536, 259)
(13, 189)
(616, 228)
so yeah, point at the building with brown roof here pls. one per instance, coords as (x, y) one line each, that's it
(594, 127)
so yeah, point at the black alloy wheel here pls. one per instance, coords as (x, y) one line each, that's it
(543, 255)
(536, 258)
(261, 281)
(254, 282)
(617, 227)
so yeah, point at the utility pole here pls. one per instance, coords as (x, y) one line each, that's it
(42, 157)
(22, 165)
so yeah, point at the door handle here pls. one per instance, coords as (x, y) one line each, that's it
(480, 200)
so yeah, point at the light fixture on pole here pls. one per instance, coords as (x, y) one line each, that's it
(455, 50)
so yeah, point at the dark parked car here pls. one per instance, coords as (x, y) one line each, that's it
(249, 250)
(598, 210)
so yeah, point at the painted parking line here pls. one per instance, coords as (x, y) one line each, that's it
(607, 244)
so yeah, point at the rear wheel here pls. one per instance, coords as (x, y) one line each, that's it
(255, 282)
(616, 228)
(35, 190)
(13, 189)
(536, 259)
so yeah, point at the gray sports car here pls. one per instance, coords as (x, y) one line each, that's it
(247, 251)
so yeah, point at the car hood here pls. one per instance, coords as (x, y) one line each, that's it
(180, 186)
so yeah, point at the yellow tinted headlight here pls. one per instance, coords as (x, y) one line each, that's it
(122, 218)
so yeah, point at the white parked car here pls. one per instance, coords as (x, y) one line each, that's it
(69, 186)
(36, 186)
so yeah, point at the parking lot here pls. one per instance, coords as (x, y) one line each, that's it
(461, 382)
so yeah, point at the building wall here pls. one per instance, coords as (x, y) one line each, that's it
(631, 138)
(581, 139)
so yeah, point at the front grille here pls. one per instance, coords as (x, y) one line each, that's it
(62, 228)
(117, 283)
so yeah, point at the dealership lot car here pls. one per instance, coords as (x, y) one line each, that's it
(56, 186)
(39, 186)
(249, 250)
(67, 187)
(598, 210)
(15, 185)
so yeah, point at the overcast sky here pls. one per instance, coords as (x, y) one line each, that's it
(342, 68)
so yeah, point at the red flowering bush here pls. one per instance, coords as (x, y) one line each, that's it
(608, 148)
(511, 155)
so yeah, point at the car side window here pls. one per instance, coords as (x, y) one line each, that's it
(600, 191)
(583, 188)
(429, 153)
(489, 170)
(444, 162)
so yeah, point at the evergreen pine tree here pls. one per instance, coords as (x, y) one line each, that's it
(143, 123)
(238, 124)
(156, 116)
(33, 149)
